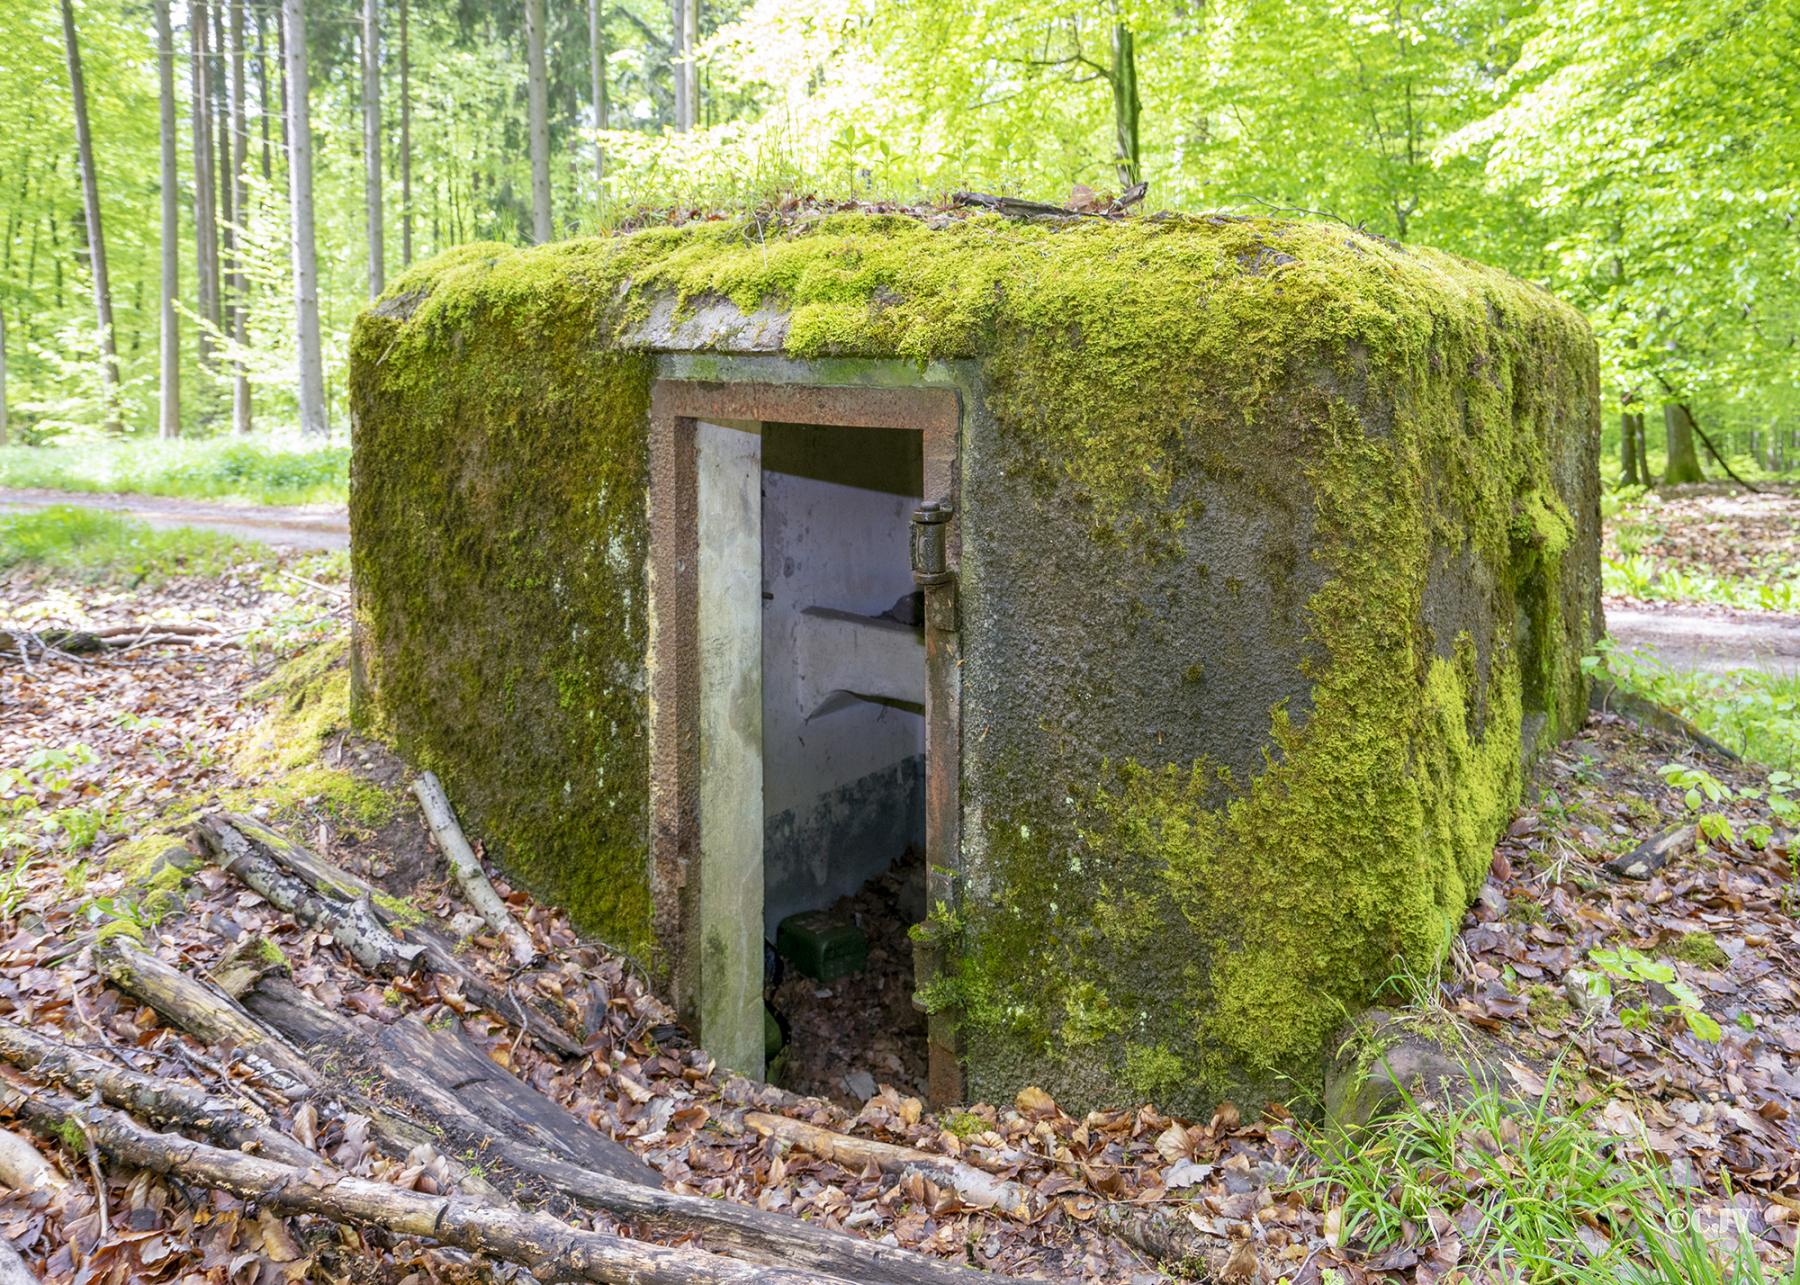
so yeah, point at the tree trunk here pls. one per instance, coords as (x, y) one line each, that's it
(515, 1127)
(1630, 425)
(976, 1186)
(3, 425)
(597, 52)
(537, 96)
(167, 1102)
(1683, 464)
(1125, 104)
(240, 195)
(90, 196)
(169, 385)
(219, 66)
(406, 210)
(476, 888)
(262, 89)
(677, 52)
(687, 68)
(371, 114)
(336, 886)
(300, 195)
(349, 921)
(24, 1170)
(206, 227)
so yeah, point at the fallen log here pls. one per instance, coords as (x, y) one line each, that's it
(12, 1267)
(549, 1247)
(471, 1116)
(542, 1024)
(1170, 1238)
(24, 1169)
(164, 1101)
(975, 1186)
(1653, 853)
(204, 1012)
(469, 874)
(350, 921)
(445, 1080)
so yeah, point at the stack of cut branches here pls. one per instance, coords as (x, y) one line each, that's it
(511, 1174)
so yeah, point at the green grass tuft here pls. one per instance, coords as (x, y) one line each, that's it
(258, 469)
(1754, 712)
(98, 546)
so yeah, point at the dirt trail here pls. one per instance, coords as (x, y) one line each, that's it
(313, 526)
(1709, 638)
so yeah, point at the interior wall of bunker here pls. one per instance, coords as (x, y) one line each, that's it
(1275, 554)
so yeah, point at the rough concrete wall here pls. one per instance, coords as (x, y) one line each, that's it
(1187, 889)
(497, 502)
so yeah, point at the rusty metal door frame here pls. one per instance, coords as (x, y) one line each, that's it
(785, 395)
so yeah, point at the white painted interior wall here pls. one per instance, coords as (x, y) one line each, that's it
(843, 780)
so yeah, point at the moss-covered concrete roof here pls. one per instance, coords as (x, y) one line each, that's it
(1110, 317)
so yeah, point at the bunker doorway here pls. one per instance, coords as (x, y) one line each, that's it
(843, 744)
(803, 722)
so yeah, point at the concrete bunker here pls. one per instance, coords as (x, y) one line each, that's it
(1244, 566)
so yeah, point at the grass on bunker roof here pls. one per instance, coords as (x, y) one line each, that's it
(1669, 1129)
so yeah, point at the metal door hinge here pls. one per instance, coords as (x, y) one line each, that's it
(930, 556)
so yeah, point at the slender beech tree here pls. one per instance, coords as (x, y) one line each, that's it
(597, 51)
(218, 66)
(537, 95)
(406, 211)
(96, 241)
(206, 228)
(1631, 424)
(1126, 108)
(240, 196)
(1683, 463)
(262, 88)
(300, 194)
(169, 380)
(3, 426)
(687, 71)
(371, 115)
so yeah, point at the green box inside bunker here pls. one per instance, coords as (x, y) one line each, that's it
(1269, 555)
(822, 947)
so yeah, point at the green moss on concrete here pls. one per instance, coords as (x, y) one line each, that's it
(1153, 923)
(498, 493)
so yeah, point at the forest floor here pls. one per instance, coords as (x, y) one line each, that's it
(1684, 1070)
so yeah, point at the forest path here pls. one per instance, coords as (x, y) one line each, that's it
(1709, 638)
(1683, 637)
(312, 526)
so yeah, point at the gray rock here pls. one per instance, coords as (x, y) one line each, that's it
(1384, 1058)
(1578, 985)
(861, 1085)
